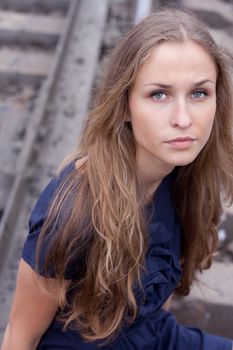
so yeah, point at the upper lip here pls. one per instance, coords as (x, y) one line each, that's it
(180, 139)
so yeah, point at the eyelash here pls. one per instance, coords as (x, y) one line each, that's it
(201, 92)
(153, 93)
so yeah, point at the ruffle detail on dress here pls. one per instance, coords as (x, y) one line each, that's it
(163, 270)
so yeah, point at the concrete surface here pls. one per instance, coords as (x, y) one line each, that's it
(32, 23)
(15, 63)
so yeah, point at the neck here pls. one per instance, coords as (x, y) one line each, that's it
(151, 174)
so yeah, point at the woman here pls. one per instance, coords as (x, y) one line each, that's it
(134, 214)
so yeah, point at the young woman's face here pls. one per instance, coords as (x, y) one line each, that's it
(172, 104)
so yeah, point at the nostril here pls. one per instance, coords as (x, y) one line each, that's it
(182, 121)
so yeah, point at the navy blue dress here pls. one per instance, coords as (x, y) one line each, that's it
(154, 328)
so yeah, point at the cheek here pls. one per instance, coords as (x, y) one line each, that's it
(207, 113)
(146, 127)
(145, 114)
(211, 116)
(206, 124)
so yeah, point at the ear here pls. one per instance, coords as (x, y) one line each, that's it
(127, 114)
(128, 124)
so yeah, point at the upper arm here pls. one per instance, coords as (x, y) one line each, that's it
(33, 308)
(166, 306)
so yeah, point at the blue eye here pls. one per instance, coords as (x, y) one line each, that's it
(158, 95)
(199, 94)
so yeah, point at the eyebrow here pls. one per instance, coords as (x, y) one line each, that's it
(167, 86)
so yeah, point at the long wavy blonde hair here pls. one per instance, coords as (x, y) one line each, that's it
(98, 210)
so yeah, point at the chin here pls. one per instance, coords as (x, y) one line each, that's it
(186, 158)
(182, 161)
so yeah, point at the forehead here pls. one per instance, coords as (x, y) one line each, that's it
(171, 61)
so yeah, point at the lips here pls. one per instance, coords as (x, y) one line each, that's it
(182, 139)
(181, 142)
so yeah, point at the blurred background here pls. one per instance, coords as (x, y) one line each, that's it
(52, 54)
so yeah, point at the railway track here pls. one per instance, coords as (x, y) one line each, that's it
(54, 51)
(35, 68)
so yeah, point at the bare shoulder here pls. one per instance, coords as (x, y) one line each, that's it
(80, 162)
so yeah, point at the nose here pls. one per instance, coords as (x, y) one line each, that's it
(181, 117)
